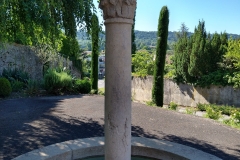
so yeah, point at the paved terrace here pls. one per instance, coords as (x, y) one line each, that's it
(30, 123)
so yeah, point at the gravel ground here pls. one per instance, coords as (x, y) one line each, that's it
(30, 123)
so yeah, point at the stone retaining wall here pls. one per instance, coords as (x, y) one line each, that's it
(25, 58)
(185, 95)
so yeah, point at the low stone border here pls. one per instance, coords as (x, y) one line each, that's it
(82, 148)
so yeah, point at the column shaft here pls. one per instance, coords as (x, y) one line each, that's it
(118, 89)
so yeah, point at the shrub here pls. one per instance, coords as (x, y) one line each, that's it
(173, 106)
(57, 82)
(212, 114)
(101, 91)
(5, 87)
(17, 85)
(236, 116)
(224, 109)
(190, 110)
(150, 103)
(15, 74)
(201, 107)
(33, 87)
(234, 120)
(82, 86)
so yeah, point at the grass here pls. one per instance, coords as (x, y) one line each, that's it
(101, 91)
(173, 106)
(150, 103)
(191, 110)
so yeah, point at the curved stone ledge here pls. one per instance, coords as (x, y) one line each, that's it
(82, 148)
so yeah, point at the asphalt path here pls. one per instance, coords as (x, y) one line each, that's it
(30, 123)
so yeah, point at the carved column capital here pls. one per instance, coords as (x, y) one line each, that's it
(118, 8)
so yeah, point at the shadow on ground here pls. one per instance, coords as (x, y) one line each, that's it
(33, 125)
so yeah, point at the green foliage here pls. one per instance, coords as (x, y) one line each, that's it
(86, 64)
(218, 45)
(33, 87)
(134, 48)
(57, 82)
(32, 22)
(70, 48)
(173, 106)
(95, 47)
(224, 109)
(149, 39)
(190, 110)
(234, 79)
(82, 85)
(182, 50)
(201, 107)
(15, 74)
(198, 55)
(101, 91)
(236, 116)
(5, 87)
(233, 53)
(213, 114)
(17, 85)
(219, 77)
(150, 103)
(93, 91)
(234, 120)
(143, 63)
(158, 86)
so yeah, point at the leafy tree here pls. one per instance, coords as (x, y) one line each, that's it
(36, 21)
(158, 86)
(71, 49)
(143, 63)
(233, 54)
(95, 47)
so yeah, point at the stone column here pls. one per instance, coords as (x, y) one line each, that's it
(118, 16)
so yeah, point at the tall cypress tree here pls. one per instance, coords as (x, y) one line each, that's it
(158, 86)
(95, 48)
(181, 54)
(197, 57)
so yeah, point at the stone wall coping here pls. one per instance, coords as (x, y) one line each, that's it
(82, 148)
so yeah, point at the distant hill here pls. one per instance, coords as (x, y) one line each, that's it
(142, 39)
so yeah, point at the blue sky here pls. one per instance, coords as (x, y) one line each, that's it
(219, 15)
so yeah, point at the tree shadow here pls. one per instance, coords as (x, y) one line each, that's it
(33, 125)
(186, 90)
(201, 145)
(29, 124)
